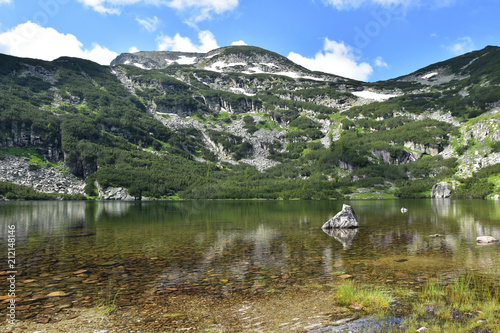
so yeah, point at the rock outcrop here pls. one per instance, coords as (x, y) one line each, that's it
(385, 156)
(20, 171)
(441, 190)
(113, 193)
(422, 149)
(346, 218)
(24, 134)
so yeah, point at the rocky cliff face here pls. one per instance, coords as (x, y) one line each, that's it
(25, 134)
(477, 136)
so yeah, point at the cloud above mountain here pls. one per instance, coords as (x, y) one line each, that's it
(200, 10)
(33, 41)
(150, 24)
(461, 46)
(196, 10)
(335, 58)
(207, 42)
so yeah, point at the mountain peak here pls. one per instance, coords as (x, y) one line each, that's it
(229, 59)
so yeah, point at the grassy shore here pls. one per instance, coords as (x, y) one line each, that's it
(467, 304)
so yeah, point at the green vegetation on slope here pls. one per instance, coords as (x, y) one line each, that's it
(77, 111)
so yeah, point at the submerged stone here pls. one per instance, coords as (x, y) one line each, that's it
(57, 294)
(346, 218)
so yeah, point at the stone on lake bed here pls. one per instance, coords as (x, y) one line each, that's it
(486, 240)
(57, 294)
(346, 218)
(81, 271)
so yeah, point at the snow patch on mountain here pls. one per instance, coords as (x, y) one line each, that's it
(141, 66)
(373, 95)
(428, 76)
(182, 60)
(241, 91)
(219, 66)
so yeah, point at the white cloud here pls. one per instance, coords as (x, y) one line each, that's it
(33, 41)
(203, 9)
(5, 1)
(463, 45)
(336, 58)
(150, 24)
(354, 4)
(184, 44)
(199, 10)
(239, 42)
(379, 62)
(133, 49)
(102, 6)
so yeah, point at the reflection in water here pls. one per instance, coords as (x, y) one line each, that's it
(344, 236)
(161, 247)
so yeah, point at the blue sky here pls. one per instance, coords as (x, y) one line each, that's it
(368, 40)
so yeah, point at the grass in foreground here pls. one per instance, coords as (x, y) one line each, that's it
(468, 304)
(368, 298)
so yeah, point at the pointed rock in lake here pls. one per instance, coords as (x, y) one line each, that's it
(346, 218)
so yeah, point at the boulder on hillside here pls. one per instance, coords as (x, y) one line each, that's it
(440, 190)
(346, 218)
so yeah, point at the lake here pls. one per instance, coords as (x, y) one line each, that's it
(82, 253)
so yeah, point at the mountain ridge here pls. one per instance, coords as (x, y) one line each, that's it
(242, 59)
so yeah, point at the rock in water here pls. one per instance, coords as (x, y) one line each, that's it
(486, 240)
(346, 218)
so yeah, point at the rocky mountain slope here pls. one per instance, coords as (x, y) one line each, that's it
(242, 121)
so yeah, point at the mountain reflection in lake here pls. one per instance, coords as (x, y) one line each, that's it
(145, 249)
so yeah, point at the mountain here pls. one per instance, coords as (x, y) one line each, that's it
(244, 122)
(231, 59)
